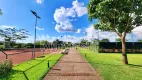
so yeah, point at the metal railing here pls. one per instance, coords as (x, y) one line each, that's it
(4, 53)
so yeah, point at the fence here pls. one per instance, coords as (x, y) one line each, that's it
(18, 56)
(131, 47)
(48, 60)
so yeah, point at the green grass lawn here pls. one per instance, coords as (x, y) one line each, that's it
(38, 68)
(110, 66)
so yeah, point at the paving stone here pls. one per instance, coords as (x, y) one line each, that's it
(72, 67)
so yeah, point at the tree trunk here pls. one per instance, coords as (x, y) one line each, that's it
(124, 54)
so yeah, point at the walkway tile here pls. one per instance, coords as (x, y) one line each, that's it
(72, 67)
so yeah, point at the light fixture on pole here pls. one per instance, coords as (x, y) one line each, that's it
(37, 17)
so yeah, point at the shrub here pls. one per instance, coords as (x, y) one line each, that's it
(1, 47)
(16, 46)
(23, 45)
(5, 67)
(29, 45)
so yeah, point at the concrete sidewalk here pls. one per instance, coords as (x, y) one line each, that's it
(72, 67)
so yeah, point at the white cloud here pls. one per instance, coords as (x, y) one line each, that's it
(92, 33)
(5, 26)
(65, 38)
(95, 34)
(64, 16)
(69, 38)
(79, 8)
(39, 1)
(137, 32)
(39, 28)
(30, 39)
(53, 22)
(78, 31)
(43, 37)
(65, 27)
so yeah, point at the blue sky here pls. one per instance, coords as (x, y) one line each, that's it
(67, 18)
(17, 13)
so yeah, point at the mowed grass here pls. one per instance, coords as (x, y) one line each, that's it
(34, 69)
(110, 66)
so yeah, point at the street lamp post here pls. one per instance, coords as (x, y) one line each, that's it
(37, 17)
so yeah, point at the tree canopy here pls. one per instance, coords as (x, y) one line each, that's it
(13, 34)
(120, 16)
(116, 15)
(105, 40)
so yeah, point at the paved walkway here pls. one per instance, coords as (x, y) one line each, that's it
(72, 67)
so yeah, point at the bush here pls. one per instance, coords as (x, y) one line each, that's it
(1, 47)
(16, 46)
(30, 45)
(23, 45)
(5, 67)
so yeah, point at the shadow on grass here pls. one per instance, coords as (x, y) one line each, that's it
(131, 65)
(10, 74)
(134, 65)
(106, 64)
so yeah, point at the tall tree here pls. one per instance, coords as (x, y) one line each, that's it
(120, 16)
(57, 43)
(69, 44)
(13, 34)
(84, 42)
(43, 42)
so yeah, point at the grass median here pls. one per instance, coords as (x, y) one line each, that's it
(110, 66)
(33, 69)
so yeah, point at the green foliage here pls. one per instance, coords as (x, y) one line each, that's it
(139, 40)
(12, 34)
(94, 47)
(105, 40)
(37, 72)
(116, 15)
(23, 45)
(1, 46)
(40, 44)
(16, 46)
(5, 67)
(109, 65)
(61, 44)
(120, 16)
(57, 43)
(84, 42)
(69, 44)
(30, 45)
(118, 40)
(43, 42)
(37, 43)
